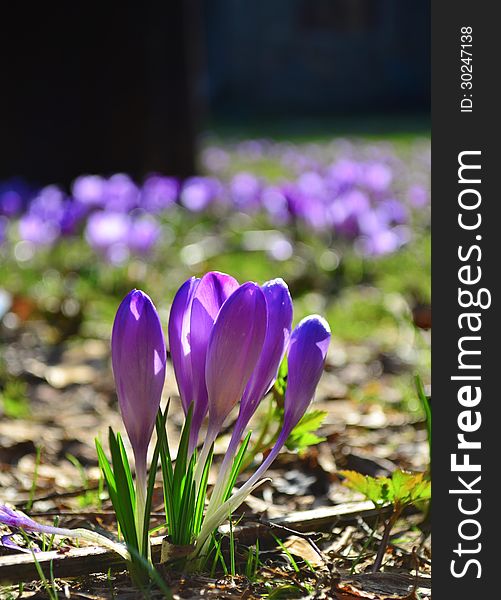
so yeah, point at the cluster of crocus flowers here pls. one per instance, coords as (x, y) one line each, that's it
(227, 342)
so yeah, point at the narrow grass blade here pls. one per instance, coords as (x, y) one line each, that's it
(202, 494)
(124, 498)
(237, 463)
(149, 493)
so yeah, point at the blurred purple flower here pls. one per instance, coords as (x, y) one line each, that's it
(306, 358)
(380, 242)
(245, 191)
(159, 193)
(108, 232)
(199, 192)
(35, 229)
(11, 203)
(143, 234)
(89, 190)
(73, 215)
(418, 196)
(393, 211)
(121, 194)
(377, 177)
(48, 204)
(3, 229)
(275, 203)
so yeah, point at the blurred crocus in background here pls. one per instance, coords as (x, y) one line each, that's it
(333, 190)
(138, 357)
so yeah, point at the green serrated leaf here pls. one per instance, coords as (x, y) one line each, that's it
(303, 435)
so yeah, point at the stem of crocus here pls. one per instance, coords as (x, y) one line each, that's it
(210, 438)
(141, 490)
(219, 513)
(86, 534)
(225, 470)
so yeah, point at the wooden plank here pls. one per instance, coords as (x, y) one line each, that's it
(19, 568)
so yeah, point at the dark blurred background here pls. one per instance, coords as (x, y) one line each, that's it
(107, 87)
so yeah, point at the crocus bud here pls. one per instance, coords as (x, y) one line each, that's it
(179, 340)
(278, 330)
(138, 357)
(235, 344)
(211, 293)
(307, 351)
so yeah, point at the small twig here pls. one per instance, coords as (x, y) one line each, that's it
(384, 540)
(56, 495)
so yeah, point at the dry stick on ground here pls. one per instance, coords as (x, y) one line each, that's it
(80, 561)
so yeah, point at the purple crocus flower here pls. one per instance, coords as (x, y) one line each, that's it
(278, 329)
(159, 193)
(89, 190)
(192, 317)
(245, 191)
(7, 542)
(107, 232)
(143, 234)
(11, 202)
(16, 519)
(307, 352)
(199, 192)
(138, 356)
(235, 345)
(73, 215)
(179, 340)
(233, 350)
(35, 229)
(121, 193)
(377, 176)
(3, 229)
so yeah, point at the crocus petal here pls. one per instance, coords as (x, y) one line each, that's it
(307, 351)
(7, 542)
(234, 347)
(138, 357)
(211, 293)
(278, 329)
(179, 339)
